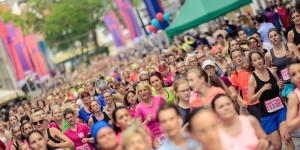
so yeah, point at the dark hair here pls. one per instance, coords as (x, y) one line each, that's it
(114, 117)
(254, 39)
(240, 30)
(157, 74)
(179, 59)
(171, 55)
(165, 106)
(38, 109)
(125, 102)
(255, 32)
(84, 94)
(259, 18)
(68, 111)
(13, 116)
(119, 84)
(250, 67)
(135, 84)
(24, 118)
(229, 47)
(37, 103)
(291, 14)
(213, 102)
(220, 36)
(40, 133)
(22, 130)
(193, 114)
(273, 29)
(292, 62)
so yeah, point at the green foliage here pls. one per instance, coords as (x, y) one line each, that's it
(17, 20)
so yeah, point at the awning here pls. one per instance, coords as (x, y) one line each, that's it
(196, 12)
(7, 96)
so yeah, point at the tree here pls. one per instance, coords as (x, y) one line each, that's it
(17, 20)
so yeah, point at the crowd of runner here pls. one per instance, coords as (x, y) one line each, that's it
(235, 89)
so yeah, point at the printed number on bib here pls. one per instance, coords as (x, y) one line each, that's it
(273, 104)
(83, 147)
(285, 74)
(161, 138)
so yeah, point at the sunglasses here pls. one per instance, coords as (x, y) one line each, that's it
(38, 122)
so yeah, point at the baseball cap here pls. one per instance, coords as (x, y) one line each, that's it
(206, 63)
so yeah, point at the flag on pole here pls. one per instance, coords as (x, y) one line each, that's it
(114, 28)
(20, 38)
(36, 57)
(129, 18)
(13, 54)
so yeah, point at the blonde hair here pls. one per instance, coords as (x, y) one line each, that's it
(131, 131)
(37, 114)
(190, 56)
(142, 85)
(176, 84)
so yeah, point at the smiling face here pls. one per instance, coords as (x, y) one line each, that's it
(108, 97)
(296, 18)
(37, 142)
(170, 122)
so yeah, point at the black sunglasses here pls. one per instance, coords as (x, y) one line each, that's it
(38, 122)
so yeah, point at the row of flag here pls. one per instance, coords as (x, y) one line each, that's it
(23, 52)
(129, 18)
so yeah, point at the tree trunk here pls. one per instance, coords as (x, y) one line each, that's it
(95, 39)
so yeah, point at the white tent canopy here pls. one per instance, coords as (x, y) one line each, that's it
(7, 96)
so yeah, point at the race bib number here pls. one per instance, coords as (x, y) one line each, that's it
(81, 135)
(273, 104)
(161, 138)
(285, 74)
(83, 147)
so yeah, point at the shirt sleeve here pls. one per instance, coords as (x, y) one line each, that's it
(138, 112)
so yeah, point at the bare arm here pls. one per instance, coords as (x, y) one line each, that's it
(290, 37)
(67, 142)
(292, 119)
(90, 123)
(252, 96)
(268, 59)
(294, 49)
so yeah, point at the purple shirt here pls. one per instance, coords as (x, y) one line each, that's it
(82, 132)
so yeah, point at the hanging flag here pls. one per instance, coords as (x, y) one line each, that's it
(36, 57)
(15, 43)
(129, 18)
(154, 7)
(114, 28)
(20, 38)
(13, 54)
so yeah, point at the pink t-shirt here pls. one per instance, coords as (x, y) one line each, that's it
(142, 111)
(54, 125)
(246, 140)
(82, 132)
(131, 112)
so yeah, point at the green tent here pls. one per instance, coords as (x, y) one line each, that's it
(196, 12)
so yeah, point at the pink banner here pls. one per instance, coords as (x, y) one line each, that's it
(20, 38)
(13, 54)
(36, 57)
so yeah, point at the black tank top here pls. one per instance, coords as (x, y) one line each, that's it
(51, 138)
(17, 146)
(106, 118)
(296, 37)
(266, 95)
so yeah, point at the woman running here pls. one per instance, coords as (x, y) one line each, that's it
(98, 115)
(60, 123)
(146, 110)
(158, 83)
(293, 111)
(171, 123)
(54, 137)
(78, 132)
(239, 78)
(264, 84)
(222, 64)
(240, 132)
(16, 133)
(181, 71)
(294, 34)
(84, 112)
(279, 56)
(37, 141)
(182, 97)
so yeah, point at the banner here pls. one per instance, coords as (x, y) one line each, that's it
(154, 7)
(36, 57)
(114, 28)
(20, 38)
(15, 43)
(129, 18)
(13, 55)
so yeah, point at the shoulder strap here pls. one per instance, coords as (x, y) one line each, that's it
(286, 47)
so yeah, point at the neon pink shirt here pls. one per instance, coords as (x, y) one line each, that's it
(131, 112)
(82, 132)
(134, 77)
(246, 140)
(142, 111)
